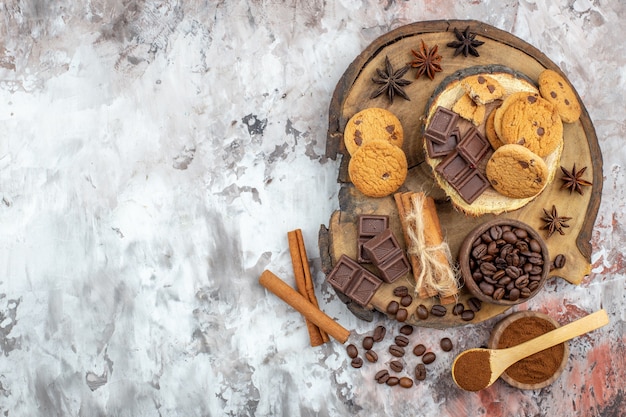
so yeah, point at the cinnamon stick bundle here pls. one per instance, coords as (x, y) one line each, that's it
(304, 282)
(425, 242)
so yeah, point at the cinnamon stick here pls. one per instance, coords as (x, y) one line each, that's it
(283, 291)
(304, 283)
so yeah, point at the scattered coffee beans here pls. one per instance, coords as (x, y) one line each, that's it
(392, 307)
(402, 315)
(381, 376)
(406, 300)
(419, 350)
(467, 315)
(429, 357)
(406, 330)
(357, 362)
(446, 344)
(402, 341)
(559, 261)
(400, 291)
(396, 351)
(458, 309)
(420, 372)
(371, 356)
(368, 343)
(393, 381)
(438, 310)
(352, 350)
(422, 312)
(406, 382)
(396, 366)
(474, 304)
(379, 333)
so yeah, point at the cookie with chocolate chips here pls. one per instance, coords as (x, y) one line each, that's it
(554, 88)
(516, 172)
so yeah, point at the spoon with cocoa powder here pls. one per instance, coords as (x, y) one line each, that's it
(476, 369)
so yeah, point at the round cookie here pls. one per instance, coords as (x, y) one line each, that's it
(482, 88)
(516, 172)
(510, 99)
(378, 168)
(490, 131)
(533, 122)
(371, 124)
(554, 88)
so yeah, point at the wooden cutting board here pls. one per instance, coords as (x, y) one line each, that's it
(352, 94)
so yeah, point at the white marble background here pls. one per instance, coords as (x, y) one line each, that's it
(153, 156)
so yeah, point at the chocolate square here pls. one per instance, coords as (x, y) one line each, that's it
(372, 224)
(381, 247)
(473, 146)
(438, 150)
(454, 168)
(441, 125)
(472, 186)
(344, 272)
(363, 257)
(394, 267)
(364, 287)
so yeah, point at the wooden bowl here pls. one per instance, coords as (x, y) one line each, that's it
(467, 247)
(496, 335)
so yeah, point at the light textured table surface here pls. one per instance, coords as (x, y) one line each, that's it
(153, 157)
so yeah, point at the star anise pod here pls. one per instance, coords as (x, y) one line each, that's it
(427, 61)
(466, 42)
(391, 81)
(554, 222)
(573, 181)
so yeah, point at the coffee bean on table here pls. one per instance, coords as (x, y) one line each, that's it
(429, 357)
(368, 342)
(357, 362)
(406, 300)
(407, 329)
(402, 315)
(446, 344)
(422, 312)
(438, 310)
(393, 381)
(420, 372)
(406, 382)
(467, 315)
(392, 307)
(371, 356)
(402, 341)
(559, 261)
(458, 309)
(400, 291)
(379, 333)
(419, 350)
(396, 351)
(352, 350)
(381, 376)
(396, 366)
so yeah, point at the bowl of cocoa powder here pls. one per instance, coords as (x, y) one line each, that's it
(536, 371)
(504, 261)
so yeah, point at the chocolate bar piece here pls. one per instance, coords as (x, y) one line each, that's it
(441, 125)
(364, 287)
(438, 150)
(384, 251)
(454, 168)
(472, 186)
(369, 226)
(473, 146)
(343, 274)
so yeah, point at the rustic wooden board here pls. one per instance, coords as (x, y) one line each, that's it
(501, 48)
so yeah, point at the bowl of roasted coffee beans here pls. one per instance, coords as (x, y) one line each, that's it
(504, 261)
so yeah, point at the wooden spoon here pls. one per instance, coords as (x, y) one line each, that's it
(478, 368)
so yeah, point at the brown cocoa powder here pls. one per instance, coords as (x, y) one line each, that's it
(472, 371)
(540, 366)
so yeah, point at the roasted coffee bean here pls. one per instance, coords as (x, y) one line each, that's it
(492, 248)
(420, 372)
(392, 307)
(525, 292)
(498, 275)
(474, 304)
(446, 344)
(559, 261)
(357, 362)
(477, 242)
(490, 280)
(534, 245)
(467, 315)
(438, 310)
(509, 237)
(402, 341)
(536, 259)
(381, 376)
(352, 350)
(520, 233)
(402, 315)
(513, 271)
(514, 294)
(406, 330)
(368, 342)
(488, 269)
(406, 382)
(419, 350)
(533, 285)
(458, 309)
(406, 300)
(534, 277)
(522, 245)
(486, 288)
(495, 232)
(371, 356)
(379, 333)
(498, 294)
(422, 312)
(400, 291)
(535, 270)
(396, 351)
(486, 237)
(522, 281)
(393, 381)
(479, 251)
(429, 357)
(504, 281)
(396, 366)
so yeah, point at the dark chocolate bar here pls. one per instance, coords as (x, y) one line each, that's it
(472, 186)
(344, 272)
(473, 146)
(394, 267)
(439, 150)
(369, 226)
(454, 168)
(384, 248)
(363, 287)
(441, 125)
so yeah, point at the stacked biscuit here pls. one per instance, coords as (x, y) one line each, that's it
(373, 137)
